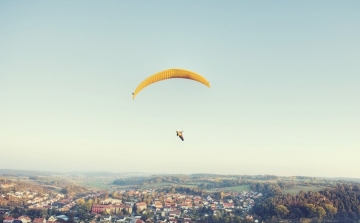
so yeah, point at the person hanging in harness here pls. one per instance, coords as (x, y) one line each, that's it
(179, 133)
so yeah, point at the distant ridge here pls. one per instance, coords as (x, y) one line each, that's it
(108, 174)
(345, 179)
(27, 173)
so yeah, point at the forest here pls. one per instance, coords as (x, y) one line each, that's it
(340, 202)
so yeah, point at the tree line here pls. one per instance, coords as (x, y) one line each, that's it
(177, 179)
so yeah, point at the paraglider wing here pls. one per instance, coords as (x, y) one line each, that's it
(170, 73)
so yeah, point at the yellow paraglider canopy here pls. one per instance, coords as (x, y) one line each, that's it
(170, 73)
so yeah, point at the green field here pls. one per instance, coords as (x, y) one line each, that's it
(297, 189)
(96, 184)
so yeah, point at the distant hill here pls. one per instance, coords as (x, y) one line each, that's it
(109, 174)
(12, 172)
(32, 173)
(93, 173)
(346, 179)
(28, 173)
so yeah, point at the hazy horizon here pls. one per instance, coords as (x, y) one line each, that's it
(149, 174)
(284, 97)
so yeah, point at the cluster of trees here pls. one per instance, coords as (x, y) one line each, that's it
(226, 219)
(267, 189)
(72, 190)
(255, 182)
(176, 179)
(83, 208)
(129, 181)
(35, 177)
(341, 202)
(259, 177)
(205, 214)
(223, 183)
(86, 205)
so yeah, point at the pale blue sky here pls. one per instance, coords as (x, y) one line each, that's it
(284, 96)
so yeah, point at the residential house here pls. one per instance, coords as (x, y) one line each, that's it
(184, 220)
(141, 206)
(8, 219)
(121, 219)
(228, 205)
(169, 208)
(129, 203)
(187, 220)
(25, 219)
(57, 205)
(63, 217)
(39, 220)
(19, 193)
(52, 219)
(184, 206)
(157, 205)
(105, 219)
(6, 185)
(175, 213)
(197, 200)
